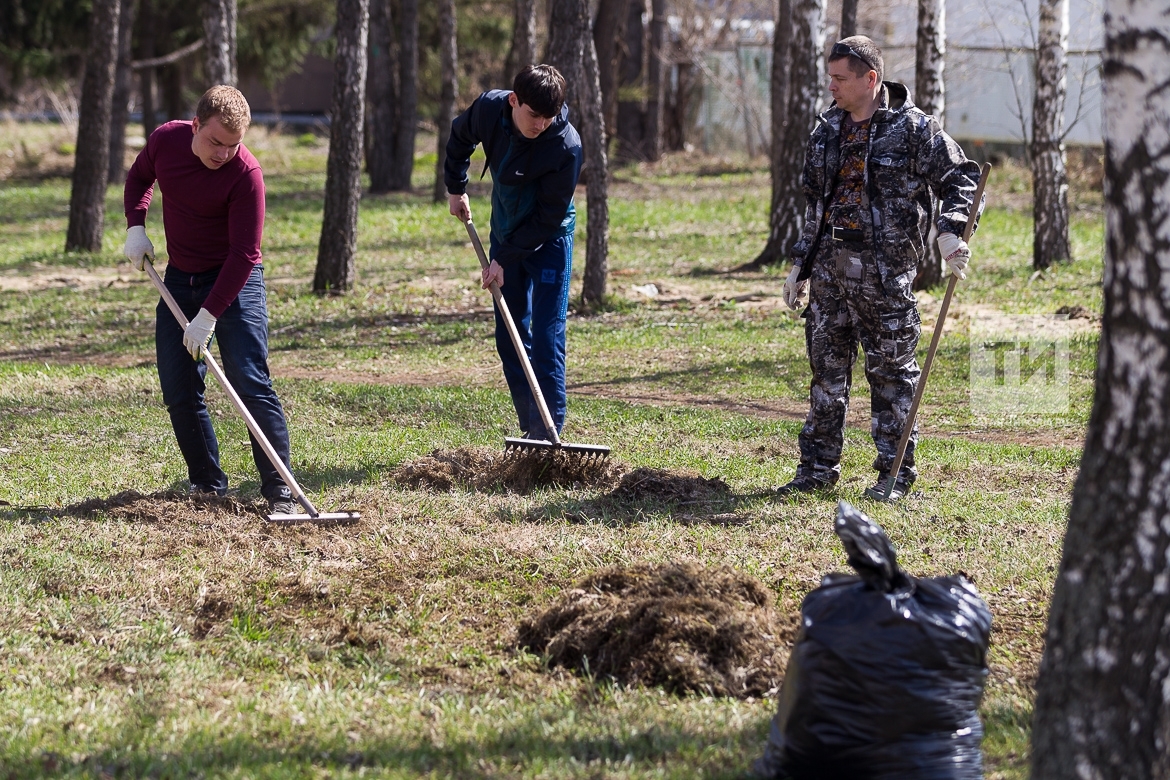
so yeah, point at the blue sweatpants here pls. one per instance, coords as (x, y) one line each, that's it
(536, 290)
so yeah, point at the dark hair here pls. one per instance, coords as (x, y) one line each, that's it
(541, 88)
(863, 55)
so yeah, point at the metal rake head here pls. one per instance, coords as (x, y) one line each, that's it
(525, 446)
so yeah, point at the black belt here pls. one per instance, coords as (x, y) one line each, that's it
(851, 235)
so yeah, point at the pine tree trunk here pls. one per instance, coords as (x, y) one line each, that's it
(403, 164)
(1102, 709)
(146, 76)
(1049, 178)
(87, 200)
(120, 101)
(449, 78)
(930, 95)
(571, 51)
(336, 252)
(381, 86)
(631, 114)
(523, 51)
(609, 28)
(848, 19)
(655, 78)
(797, 78)
(219, 32)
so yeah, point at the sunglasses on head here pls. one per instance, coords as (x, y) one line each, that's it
(845, 50)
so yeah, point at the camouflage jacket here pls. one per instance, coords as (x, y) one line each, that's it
(910, 160)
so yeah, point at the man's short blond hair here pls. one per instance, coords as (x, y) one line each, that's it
(227, 103)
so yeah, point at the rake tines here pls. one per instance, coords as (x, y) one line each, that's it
(513, 446)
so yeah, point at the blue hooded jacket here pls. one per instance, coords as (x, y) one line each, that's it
(533, 179)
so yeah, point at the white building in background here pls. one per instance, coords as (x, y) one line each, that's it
(988, 76)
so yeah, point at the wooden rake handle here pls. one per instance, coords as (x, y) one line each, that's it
(506, 316)
(908, 429)
(250, 421)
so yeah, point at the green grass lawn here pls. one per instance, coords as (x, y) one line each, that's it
(201, 641)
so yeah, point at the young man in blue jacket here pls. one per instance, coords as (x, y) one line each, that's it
(535, 158)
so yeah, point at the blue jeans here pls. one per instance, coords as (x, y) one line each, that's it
(242, 335)
(536, 290)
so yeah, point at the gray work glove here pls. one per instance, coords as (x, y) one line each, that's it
(956, 252)
(795, 291)
(198, 333)
(138, 247)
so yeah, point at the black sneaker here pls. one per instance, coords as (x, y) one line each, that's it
(802, 484)
(283, 505)
(878, 491)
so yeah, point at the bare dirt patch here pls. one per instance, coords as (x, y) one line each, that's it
(479, 468)
(680, 626)
(670, 487)
(72, 278)
(167, 506)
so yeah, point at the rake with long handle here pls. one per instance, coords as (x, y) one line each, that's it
(908, 430)
(277, 463)
(554, 443)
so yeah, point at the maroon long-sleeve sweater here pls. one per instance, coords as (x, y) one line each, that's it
(212, 218)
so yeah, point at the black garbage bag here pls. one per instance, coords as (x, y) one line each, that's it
(886, 675)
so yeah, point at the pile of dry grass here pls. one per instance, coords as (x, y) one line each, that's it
(680, 626)
(479, 468)
(130, 505)
(670, 487)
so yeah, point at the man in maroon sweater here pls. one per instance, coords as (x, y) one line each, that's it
(213, 219)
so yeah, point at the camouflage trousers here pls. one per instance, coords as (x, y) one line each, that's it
(848, 306)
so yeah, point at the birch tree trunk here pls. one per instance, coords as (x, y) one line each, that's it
(930, 96)
(631, 129)
(1103, 696)
(1049, 177)
(449, 78)
(848, 19)
(609, 29)
(655, 81)
(523, 51)
(219, 31)
(87, 199)
(798, 70)
(120, 100)
(337, 250)
(403, 165)
(571, 51)
(381, 86)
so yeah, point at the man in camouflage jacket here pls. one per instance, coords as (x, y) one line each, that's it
(873, 167)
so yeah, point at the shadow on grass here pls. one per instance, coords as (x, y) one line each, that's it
(501, 751)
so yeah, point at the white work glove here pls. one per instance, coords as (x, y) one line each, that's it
(138, 247)
(795, 292)
(198, 333)
(955, 252)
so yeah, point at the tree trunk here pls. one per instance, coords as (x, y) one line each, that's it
(449, 76)
(678, 107)
(1102, 709)
(797, 81)
(655, 78)
(631, 88)
(219, 31)
(523, 51)
(172, 89)
(123, 88)
(381, 84)
(87, 200)
(608, 29)
(336, 269)
(571, 51)
(848, 19)
(1049, 178)
(930, 95)
(403, 165)
(146, 75)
